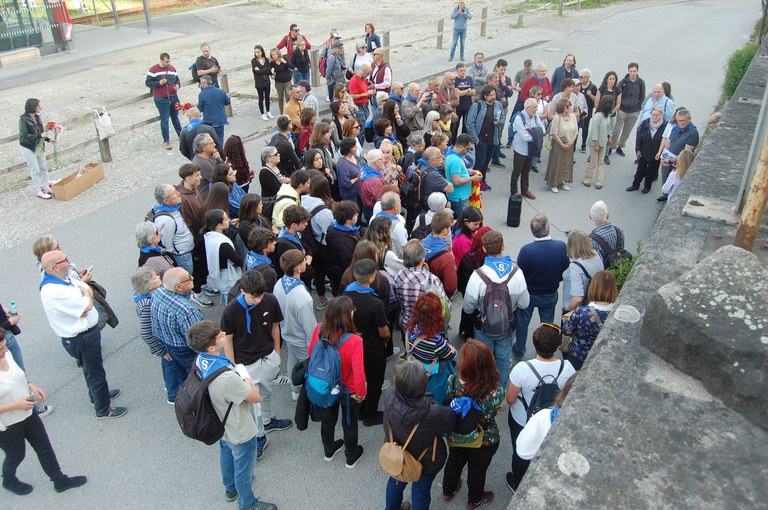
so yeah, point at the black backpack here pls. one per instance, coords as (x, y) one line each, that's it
(615, 255)
(497, 318)
(411, 190)
(315, 246)
(269, 204)
(423, 230)
(195, 76)
(194, 410)
(585, 297)
(544, 395)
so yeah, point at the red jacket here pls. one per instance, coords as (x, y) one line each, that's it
(352, 370)
(546, 92)
(444, 267)
(287, 43)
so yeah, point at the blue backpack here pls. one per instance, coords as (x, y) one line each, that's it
(324, 373)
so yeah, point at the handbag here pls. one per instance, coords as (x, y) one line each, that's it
(565, 345)
(103, 121)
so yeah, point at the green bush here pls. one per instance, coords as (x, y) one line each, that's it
(622, 268)
(738, 63)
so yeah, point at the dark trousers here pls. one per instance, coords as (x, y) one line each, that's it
(521, 167)
(263, 98)
(648, 171)
(375, 363)
(478, 459)
(13, 443)
(199, 265)
(328, 426)
(519, 466)
(319, 268)
(86, 348)
(584, 131)
(483, 155)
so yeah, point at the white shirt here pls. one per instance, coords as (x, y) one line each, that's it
(533, 434)
(522, 377)
(13, 386)
(64, 305)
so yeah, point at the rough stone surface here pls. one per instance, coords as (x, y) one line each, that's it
(653, 436)
(711, 324)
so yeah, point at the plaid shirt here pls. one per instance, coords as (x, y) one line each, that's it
(172, 315)
(410, 283)
(608, 233)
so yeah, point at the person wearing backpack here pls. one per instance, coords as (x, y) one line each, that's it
(232, 397)
(534, 385)
(438, 247)
(585, 263)
(289, 194)
(494, 292)
(606, 237)
(338, 333)
(407, 408)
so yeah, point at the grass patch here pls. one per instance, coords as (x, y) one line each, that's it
(517, 25)
(596, 4)
(622, 268)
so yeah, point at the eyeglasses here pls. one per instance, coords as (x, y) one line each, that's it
(275, 154)
(62, 261)
(355, 127)
(187, 280)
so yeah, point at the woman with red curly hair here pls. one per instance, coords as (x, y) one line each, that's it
(479, 380)
(234, 152)
(424, 340)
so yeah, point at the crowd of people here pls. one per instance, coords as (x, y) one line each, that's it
(376, 208)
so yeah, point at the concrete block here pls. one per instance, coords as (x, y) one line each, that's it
(712, 324)
(19, 56)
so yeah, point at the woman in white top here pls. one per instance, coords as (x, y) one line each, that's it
(360, 58)
(522, 385)
(224, 263)
(19, 424)
(535, 431)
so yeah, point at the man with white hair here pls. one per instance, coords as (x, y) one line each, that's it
(390, 208)
(525, 126)
(373, 177)
(605, 237)
(411, 107)
(539, 79)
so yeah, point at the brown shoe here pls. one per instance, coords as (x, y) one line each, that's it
(168, 146)
(528, 194)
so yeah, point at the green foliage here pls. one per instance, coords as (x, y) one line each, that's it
(622, 268)
(738, 63)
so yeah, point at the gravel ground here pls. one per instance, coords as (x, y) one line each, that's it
(124, 78)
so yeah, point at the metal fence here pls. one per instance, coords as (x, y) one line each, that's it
(24, 25)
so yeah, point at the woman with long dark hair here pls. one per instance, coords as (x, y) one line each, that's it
(251, 217)
(391, 112)
(32, 140)
(478, 380)
(338, 330)
(339, 114)
(224, 263)
(234, 152)
(380, 234)
(226, 174)
(464, 230)
(308, 119)
(261, 74)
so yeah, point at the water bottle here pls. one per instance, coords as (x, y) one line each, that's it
(13, 309)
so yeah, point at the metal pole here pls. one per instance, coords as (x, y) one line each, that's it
(147, 16)
(314, 58)
(755, 206)
(224, 82)
(117, 18)
(440, 28)
(96, 13)
(484, 21)
(385, 42)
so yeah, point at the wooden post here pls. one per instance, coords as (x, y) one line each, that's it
(440, 28)
(385, 43)
(224, 82)
(484, 21)
(560, 8)
(104, 150)
(117, 17)
(578, 5)
(314, 59)
(522, 12)
(755, 205)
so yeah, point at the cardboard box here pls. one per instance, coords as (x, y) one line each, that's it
(72, 185)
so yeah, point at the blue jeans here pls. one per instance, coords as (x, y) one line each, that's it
(420, 493)
(183, 359)
(238, 462)
(15, 348)
(459, 206)
(331, 87)
(298, 76)
(362, 116)
(459, 34)
(483, 155)
(86, 348)
(546, 304)
(171, 377)
(166, 109)
(219, 132)
(185, 260)
(500, 347)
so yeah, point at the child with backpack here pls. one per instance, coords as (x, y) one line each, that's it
(533, 386)
(337, 334)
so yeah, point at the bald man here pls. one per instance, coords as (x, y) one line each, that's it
(68, 305)
(361, 91)
(193, 128)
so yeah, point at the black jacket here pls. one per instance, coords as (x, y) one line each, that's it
(6, 324)
(403, 413)
(645, 143)
(261, 73)
(340, 246)
(30, 131)
(187, 138)
(289, 161)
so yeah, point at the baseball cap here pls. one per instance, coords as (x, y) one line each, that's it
(335, 35)
(338, 44)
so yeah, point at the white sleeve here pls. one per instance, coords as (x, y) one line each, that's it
(533, 434)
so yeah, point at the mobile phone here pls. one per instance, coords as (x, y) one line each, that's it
(33, 398)
(90, 269)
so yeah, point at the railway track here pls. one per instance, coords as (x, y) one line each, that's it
(90, 19)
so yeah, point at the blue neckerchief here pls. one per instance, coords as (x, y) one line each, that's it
(537, 78)
(394, 97)
(209, 363)
(433, 245)
(356, 287)
(462, 405)
(193, 123)
(233, 198)
(677, 129)
(344, 228)
(392, 138)
(289, 283)
(295, 239)
(150, 248)
(49, 278)
(367, 172)
(502, 266)
(253, 259)
(553, 414)
(248, 308)
(166, 208)
(139, 297)
(424, 162)
(392, 217)
(411, 150)
(409, 98)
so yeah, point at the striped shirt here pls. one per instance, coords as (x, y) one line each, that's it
(145, 322)
(428, 349)
(172, 314)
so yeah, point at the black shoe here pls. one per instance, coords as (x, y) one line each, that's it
(645, 191)
(636, 161)
(338, 445)
(662, 198)
(534, 170)
(583, 150)
(509, 482)
(620, 152)
(372, 421)
(17, 487)
(509, 145)
(351, 463)
(502, 155)
(496, 164)
(606, 160)
(633, 188)
(69, 482)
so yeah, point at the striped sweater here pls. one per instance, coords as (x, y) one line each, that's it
(427, 349)
(145, 321)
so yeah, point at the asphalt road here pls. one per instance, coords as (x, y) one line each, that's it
(142, 461)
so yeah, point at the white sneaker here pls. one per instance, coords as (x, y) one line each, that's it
(264, 116)
(270, 115)
(295, 396)
(281, 379)
(565, 187)
(554, 189)
(201, 300)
